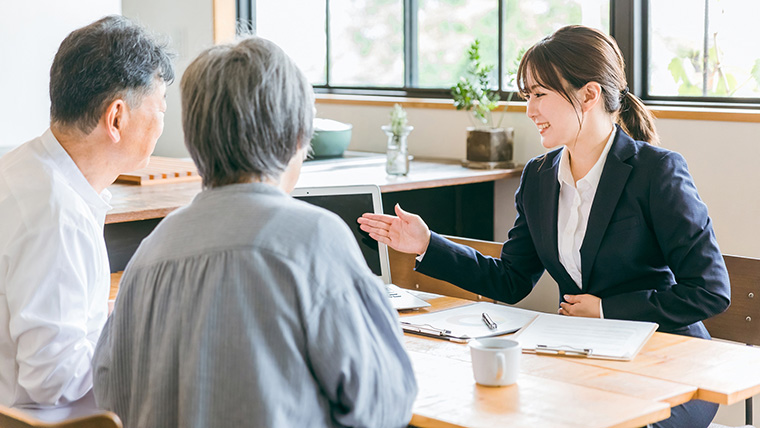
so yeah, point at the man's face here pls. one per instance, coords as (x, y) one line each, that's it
(144, 125)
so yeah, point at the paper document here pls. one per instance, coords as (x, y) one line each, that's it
(466, 322)
(585, 337)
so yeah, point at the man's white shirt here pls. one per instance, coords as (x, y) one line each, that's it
(54, 275)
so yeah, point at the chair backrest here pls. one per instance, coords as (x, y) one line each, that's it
(403, 274)
(741, 322)
(13, 418)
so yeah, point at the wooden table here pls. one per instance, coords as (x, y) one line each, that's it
(550, 391)
(574, 392)
(577, 392)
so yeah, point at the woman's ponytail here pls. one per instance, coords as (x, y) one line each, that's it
(636, 119)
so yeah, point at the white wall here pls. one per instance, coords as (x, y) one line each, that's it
(30, 33)
(189, 24)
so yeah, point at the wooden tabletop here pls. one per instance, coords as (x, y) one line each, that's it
(559, 368)
(133, 202)
(724, 373)
(423, 174)
(449, 397)
(550, 391)
(669, 370)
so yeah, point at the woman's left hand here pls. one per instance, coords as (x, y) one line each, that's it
(580, 305)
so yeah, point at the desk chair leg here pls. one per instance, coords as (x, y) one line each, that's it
(748, 411)
(748, 407)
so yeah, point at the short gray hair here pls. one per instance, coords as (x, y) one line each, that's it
(109, 59)
(246, 110)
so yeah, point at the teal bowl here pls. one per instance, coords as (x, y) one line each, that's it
(331, 138)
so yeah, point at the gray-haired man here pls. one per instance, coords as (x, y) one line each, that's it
(107, 87)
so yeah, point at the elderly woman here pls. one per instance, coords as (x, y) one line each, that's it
(247, 307)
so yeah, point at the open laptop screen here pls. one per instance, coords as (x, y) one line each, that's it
(350, 207)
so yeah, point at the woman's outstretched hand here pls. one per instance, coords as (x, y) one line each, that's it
(406, 233)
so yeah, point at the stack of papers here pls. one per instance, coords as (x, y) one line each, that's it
(585, 337)
(463, 323)
(540, 333)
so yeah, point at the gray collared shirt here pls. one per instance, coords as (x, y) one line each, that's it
(250, 308)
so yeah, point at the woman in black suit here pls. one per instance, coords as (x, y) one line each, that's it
(615, 220)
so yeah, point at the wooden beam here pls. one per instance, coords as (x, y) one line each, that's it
(224, 21)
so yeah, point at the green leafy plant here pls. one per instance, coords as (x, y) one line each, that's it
(398, 120)
(473, 91)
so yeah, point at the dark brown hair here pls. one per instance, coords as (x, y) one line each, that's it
(579, 55)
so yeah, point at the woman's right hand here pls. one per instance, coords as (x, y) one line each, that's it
(406, 233)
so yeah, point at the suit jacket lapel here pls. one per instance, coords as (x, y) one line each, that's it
(549, 195)
(611, 185)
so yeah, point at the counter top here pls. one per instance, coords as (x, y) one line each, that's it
(133, 202)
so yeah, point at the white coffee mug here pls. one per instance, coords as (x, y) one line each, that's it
(495, 361)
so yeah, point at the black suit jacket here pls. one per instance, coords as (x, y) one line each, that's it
(649, 252)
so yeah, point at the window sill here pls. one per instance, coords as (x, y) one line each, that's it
(682, 113)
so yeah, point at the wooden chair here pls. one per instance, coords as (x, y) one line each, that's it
(741, 322)
(13, 418)
(403, 274)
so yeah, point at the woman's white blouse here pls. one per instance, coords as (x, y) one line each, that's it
(575, 200)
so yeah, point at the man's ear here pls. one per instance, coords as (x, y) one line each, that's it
(114, 118)
(590, 96)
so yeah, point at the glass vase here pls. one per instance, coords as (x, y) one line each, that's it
(397, 162)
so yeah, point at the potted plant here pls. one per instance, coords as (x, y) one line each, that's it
(397, 162)
(488, 144)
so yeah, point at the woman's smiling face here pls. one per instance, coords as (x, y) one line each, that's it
(555, 117)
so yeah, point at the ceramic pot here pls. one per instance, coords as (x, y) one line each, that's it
(490, 148)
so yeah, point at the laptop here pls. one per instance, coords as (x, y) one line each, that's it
(349, 203)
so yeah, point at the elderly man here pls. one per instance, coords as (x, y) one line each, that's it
(248, 307)
(107, 86)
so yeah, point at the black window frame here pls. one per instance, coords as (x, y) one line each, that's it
(628, 25)
(641, 66)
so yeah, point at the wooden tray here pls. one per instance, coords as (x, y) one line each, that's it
(162, 170)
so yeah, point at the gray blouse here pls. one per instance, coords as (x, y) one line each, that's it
(250, 308)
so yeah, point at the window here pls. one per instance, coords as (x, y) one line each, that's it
(417, 47)
(366, 43)
(412, 46)
(527, 22)
(706, 53)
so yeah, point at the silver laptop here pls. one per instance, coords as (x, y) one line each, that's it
(349, 203)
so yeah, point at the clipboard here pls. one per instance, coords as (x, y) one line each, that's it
(607, 339)
(464, 323)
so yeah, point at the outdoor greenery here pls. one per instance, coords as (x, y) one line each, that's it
(706, 52)
(367, 41)
(695, 78)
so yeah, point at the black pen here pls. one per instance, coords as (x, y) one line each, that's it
(489, 322)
